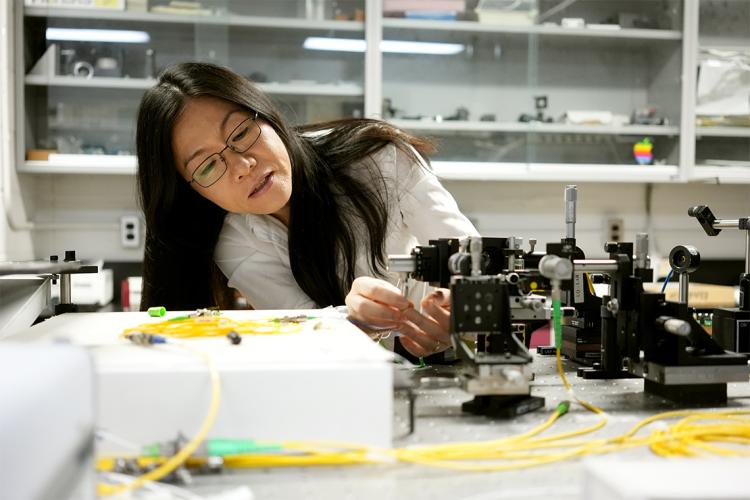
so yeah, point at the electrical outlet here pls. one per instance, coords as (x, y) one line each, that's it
(615, 229)
(130, 231)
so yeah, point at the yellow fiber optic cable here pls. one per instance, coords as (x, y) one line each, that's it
(175, 461)
(215, 327)
(696, 433)
(590, 283)
(516, 453)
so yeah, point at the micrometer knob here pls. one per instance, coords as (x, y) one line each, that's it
(555, 268)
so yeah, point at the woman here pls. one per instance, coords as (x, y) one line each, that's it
(292, 218)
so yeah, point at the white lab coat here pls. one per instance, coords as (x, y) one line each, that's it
(252, 250)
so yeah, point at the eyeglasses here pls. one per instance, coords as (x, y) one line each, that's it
(243, 137)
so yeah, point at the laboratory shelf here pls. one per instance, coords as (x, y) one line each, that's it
(447, 170)
(291, 88)
(721, 174)
(95, 82)
(313, 89)
(723, 43)
(82, 164)
(722, 132)
(222, 20)
(535, 127)
(486, 171)
(79, 124)
(476, 27)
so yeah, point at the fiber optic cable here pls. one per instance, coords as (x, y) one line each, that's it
(215, 326)
(175, 461)
(666, 280)
(697, 433)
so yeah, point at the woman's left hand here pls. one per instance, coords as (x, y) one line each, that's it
(428, 332)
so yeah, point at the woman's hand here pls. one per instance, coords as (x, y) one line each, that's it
(380, 304)
(376, 302)
(428, 332)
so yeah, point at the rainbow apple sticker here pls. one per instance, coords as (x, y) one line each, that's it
(643, 151)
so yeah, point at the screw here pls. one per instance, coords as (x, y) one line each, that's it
(613, 306)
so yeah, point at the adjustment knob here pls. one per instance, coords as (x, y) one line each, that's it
(610, 247)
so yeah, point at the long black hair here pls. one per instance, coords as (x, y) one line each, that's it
(329, 199)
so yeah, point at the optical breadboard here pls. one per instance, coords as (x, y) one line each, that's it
(327, 381)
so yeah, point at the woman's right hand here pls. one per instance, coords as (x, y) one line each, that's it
(376, 302)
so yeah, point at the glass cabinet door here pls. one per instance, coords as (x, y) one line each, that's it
(87, 68)
(537, 89)
(722, 148)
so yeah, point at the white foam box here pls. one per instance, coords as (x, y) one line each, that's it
(46, 422)
(659, 479)
(329, 382)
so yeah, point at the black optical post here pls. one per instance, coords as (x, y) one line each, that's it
(731, 326)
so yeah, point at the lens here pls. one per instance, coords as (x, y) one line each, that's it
(684, 258)
(209, 171)
(244, 136)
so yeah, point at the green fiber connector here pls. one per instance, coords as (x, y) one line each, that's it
(421, 362)
(219, 448)
(224, 447)
(563, 408)
(157, 312)
(152, 450)
(556, 323)
(180, 318)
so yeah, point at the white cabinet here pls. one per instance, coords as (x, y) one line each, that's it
(543, 90)
(722, 142)
(81, 97)
(559, 90)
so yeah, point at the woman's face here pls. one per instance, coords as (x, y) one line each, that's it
(257, 180)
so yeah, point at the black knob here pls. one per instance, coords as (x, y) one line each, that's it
(610, 247)
(705, 218)
(53, 258)
(70, 255)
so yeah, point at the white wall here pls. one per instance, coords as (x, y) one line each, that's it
(5, 117)
(499, 209)
(15, 239)
(82, 213)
